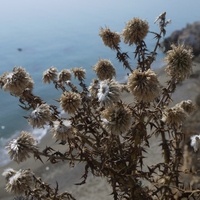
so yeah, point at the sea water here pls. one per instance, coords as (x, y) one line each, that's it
(65, 34)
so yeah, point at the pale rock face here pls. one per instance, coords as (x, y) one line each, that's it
(190, 35)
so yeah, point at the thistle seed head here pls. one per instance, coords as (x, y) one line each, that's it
(20, 148)
(117, 119)
(40, 116)
(63, 130)
(70, 101)
(110, 39)
(20, 181)
(49, 75)
(108, 92)
(104, 69)
(16, 81)
(79, 73)
(135, 31)
(64, 75)
(174, 116)
(144, 85)
(179, 62)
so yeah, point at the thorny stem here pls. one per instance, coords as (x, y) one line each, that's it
(165, 148)
(169, 90)
(38, 153)
(122, 58)
(156, 47)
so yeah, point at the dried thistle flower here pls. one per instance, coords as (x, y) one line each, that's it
(70, 101)
(20, 148)
(79, 73)
(63, 130)
(135, 31)
(49, 75)
(117, 118)
(8, 173)
(110, 39)
(174, 116)
(64, 75)
(93, 88)
(143, 85)
(20, 181)
(179, 62)
(187, 106)
(108, 92)
(16, 81)
(195, 142)
(104, 69)
(40, 116)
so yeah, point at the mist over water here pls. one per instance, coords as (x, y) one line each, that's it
(64, 34)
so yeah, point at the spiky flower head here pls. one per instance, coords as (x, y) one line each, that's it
(64, 75)
(179, 62)
(9, 172)
(117, 118)
(40, 116)
(49, 75)
(110, 39)
(144, 85)
(16, 81)
(187, 106)
(108, 92)
(20, 148)
(104, 69)
(174, 116)
(63, 130)
(135, 31)
(79, 73)
(70, 101)
(20, 181)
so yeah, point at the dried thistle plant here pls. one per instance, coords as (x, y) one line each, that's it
(102, 131)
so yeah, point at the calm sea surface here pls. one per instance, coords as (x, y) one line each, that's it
(64, 34)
